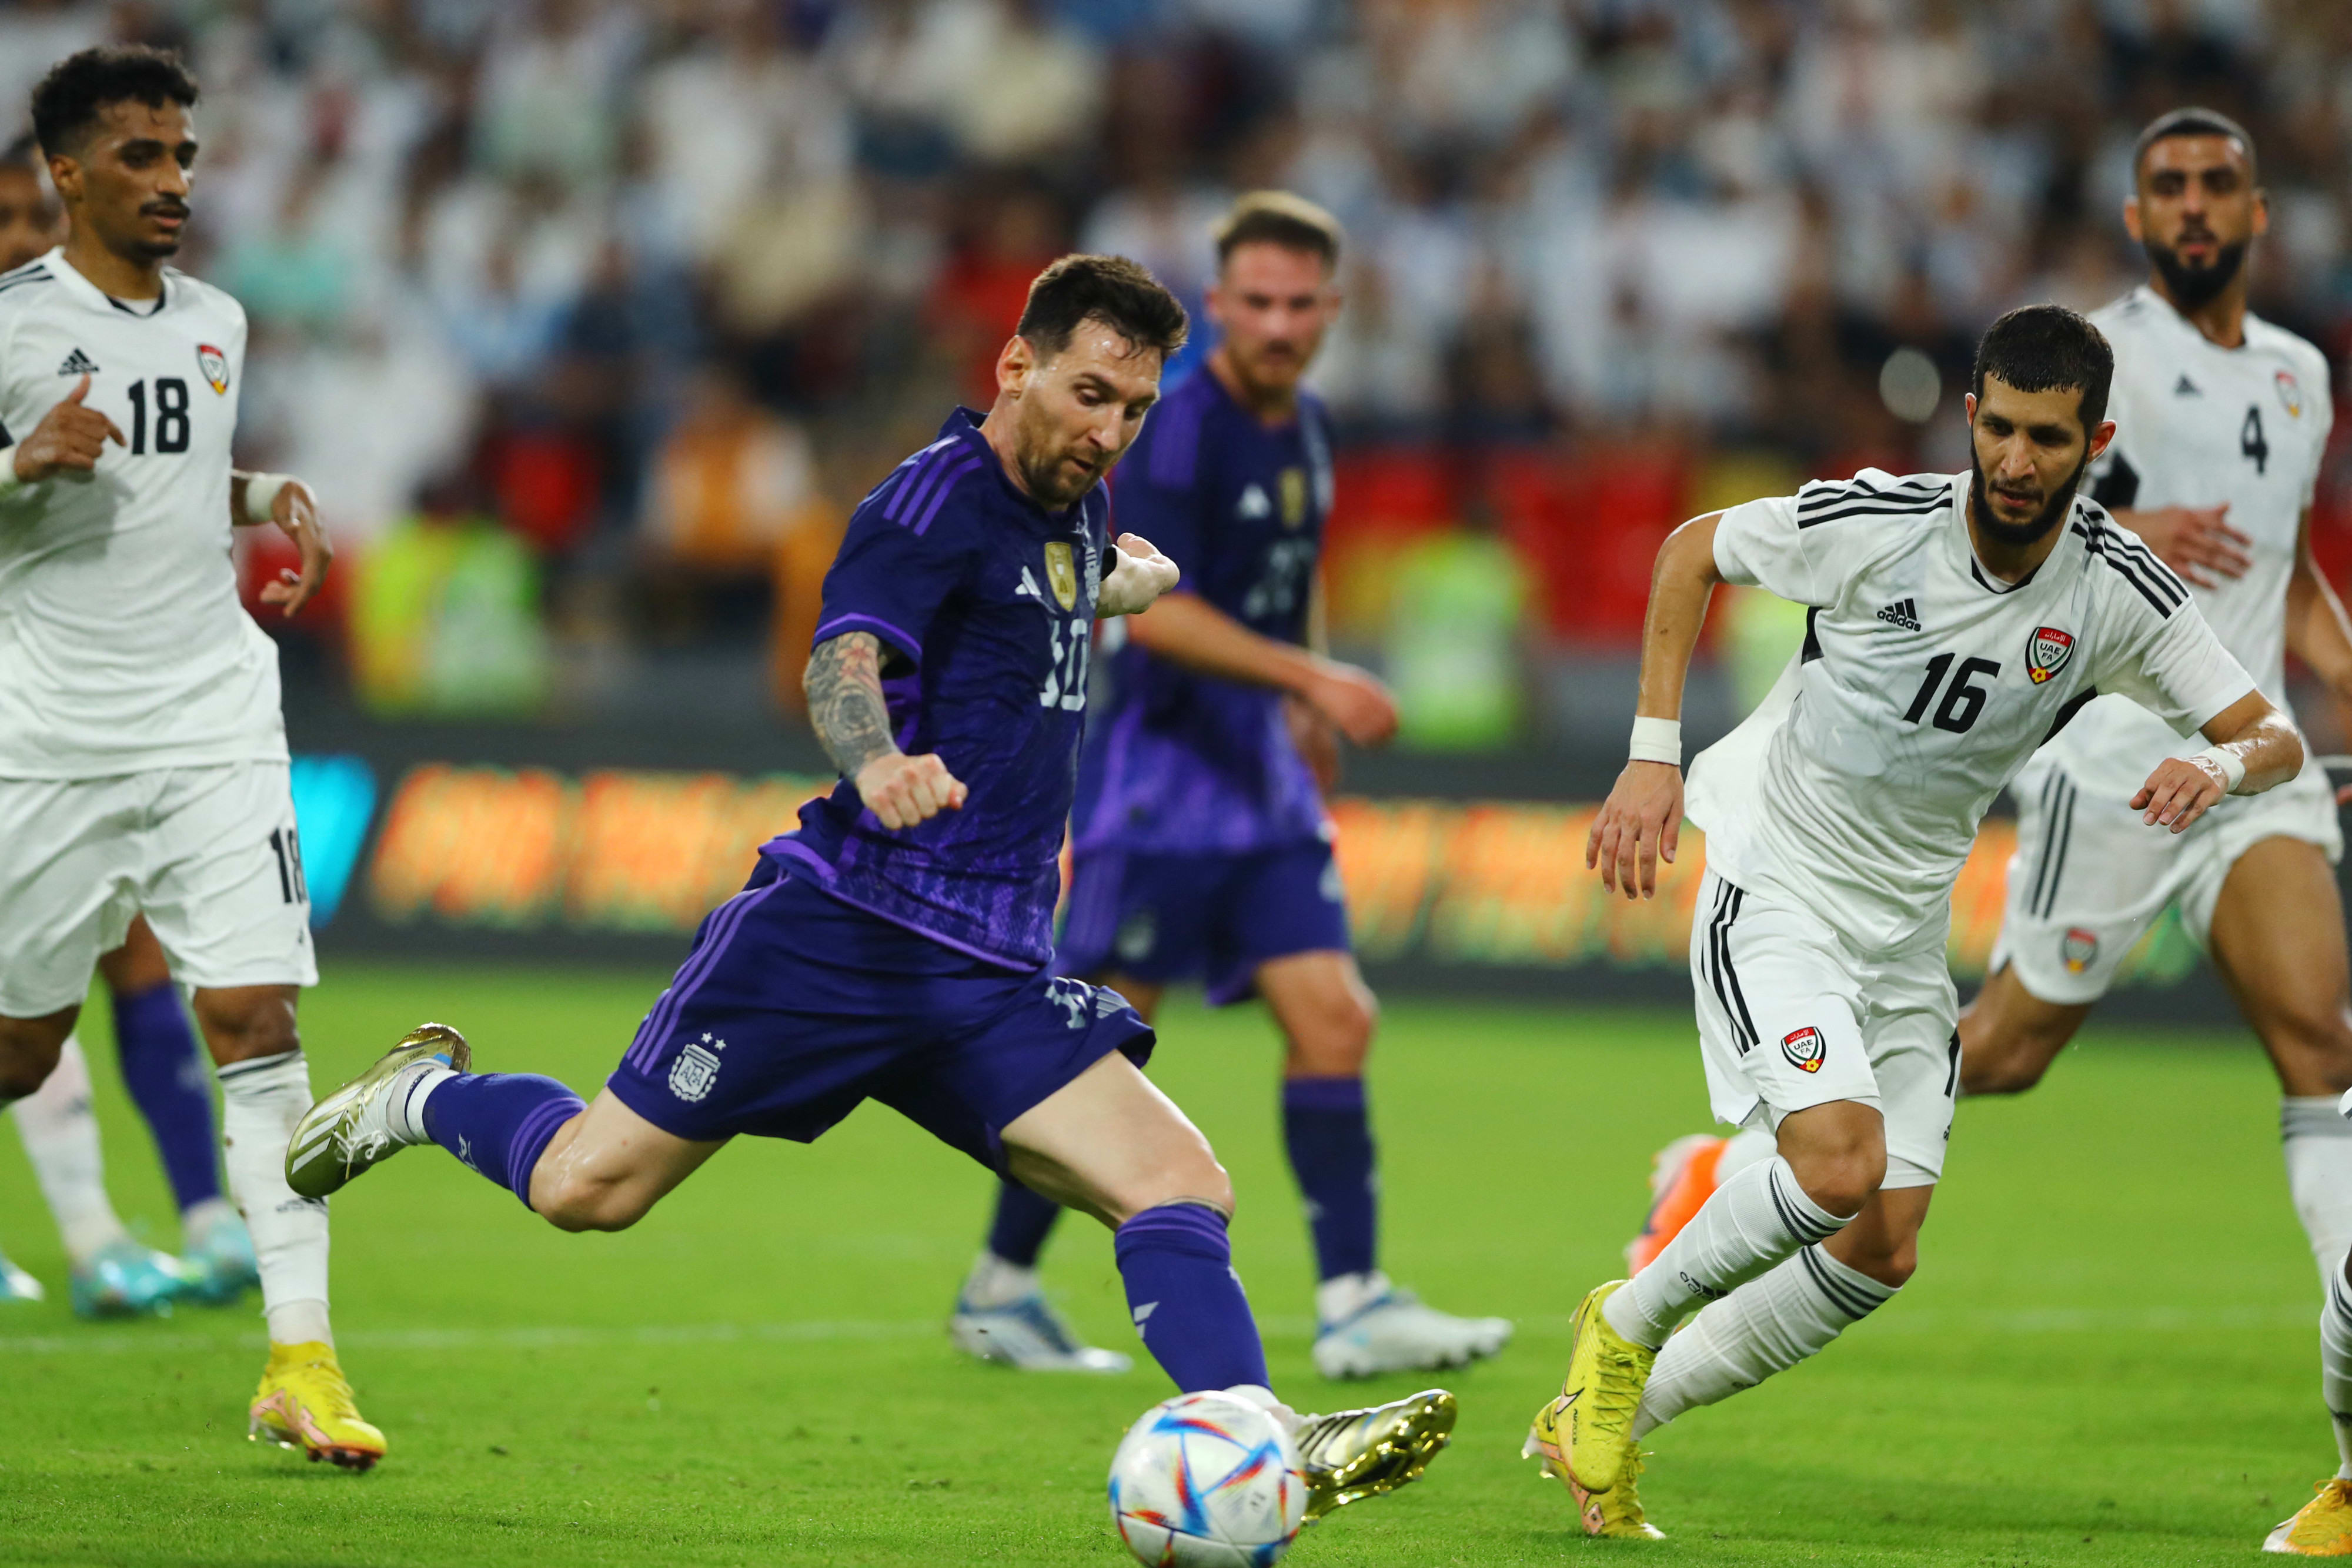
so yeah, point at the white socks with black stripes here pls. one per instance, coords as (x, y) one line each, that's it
(1755, 1221)
(1767, 1325)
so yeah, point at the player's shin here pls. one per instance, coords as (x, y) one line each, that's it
(2318, 1143)
(1766, 1327)
(1755, 1221)
(163, 1069)
(60, 1135)
(497, 1124)
(1177, 1262)
(1328, 1135)
(2336, 1361)
(261, 1102)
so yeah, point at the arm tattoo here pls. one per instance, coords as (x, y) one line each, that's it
(844, 701)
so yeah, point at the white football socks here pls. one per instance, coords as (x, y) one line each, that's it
(2335, 1362)
(1767, 1325)
(2318, 1146)
(60, 1131)
(1755, 1221)
(261, 1101)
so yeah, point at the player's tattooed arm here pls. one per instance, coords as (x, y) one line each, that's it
(853, 723)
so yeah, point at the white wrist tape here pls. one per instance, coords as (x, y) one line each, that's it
(261, 494)
(2232, 765)
(1658, 740)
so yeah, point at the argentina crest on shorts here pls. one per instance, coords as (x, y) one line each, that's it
(696, 1069)
(2046, 653)
(1805, 1047)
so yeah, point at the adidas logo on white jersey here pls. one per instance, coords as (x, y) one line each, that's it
(2184, 387)
(1903, 612)
(77, 364)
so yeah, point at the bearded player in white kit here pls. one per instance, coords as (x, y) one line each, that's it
(1957, 622)
(143, 765)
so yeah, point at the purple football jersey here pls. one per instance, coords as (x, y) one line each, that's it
(984, 604)
(1179, 762)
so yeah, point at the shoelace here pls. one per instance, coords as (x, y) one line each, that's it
(1616, 1392)
(330, 1381)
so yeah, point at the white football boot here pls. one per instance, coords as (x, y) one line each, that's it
(1001, 1316)
(1369, 1327)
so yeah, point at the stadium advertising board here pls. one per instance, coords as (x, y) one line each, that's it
(1458, 886)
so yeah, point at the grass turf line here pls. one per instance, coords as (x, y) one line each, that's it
(2107, 1357)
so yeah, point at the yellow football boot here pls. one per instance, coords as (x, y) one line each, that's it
(2320, 1528)
(1613, 1515)
(1589, 1429)
(303, 1403)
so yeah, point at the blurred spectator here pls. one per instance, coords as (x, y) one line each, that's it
(445, 622)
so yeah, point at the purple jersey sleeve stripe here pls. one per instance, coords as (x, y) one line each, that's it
(917, 490)
(911, 646)
(964, 468)
(912, 473)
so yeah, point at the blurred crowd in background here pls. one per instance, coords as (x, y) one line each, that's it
(591, 320)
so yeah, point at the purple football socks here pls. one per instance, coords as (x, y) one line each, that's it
(165, 1075)
(1023, 1221)
(1178, 1263)
(498, 1123)
(1330, 1139)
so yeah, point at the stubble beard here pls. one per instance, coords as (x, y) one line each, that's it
(2192, 287)
(2018, 535)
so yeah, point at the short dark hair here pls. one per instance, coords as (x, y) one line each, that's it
(1111, 289)
(2191, 121)
(1278, 217)
(2048, 348)
(70, 98)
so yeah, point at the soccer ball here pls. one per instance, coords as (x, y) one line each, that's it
(1207, 1480)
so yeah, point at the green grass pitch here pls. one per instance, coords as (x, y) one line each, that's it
(2108, 1356)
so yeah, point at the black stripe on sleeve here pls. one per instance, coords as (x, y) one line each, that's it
(1904, 507)
(2074, 704)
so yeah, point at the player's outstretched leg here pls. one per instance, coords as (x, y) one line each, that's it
(164, 1068)
(2323, 1527)
(1110, 1144)
(1001, 1314)
(1365, 1325)
(1833, 1158)
(113, 1275)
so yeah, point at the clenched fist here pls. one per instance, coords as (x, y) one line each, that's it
(1138, 575)
(67, 441)
(902, 791)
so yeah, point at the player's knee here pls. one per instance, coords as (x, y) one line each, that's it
(1334, 1040)
(1891, 1265)
(1840, 1175)
(2313, 1043)
(1191, 1179)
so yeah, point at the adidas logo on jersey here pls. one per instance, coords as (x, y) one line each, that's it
(2184, 387)
(1903, 612)
(77, 364)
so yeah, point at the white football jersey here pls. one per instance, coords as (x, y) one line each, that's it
(122, 645)
(1924, 684)
(2197, 425)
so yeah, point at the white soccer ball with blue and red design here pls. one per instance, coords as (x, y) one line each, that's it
(1207, 1480)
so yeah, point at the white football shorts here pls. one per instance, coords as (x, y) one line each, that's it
(1792, 1015)
(2089, 877)
(208, 854)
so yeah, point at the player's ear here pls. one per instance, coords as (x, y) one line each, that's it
(2131, 218)
(65, 176)
(1969, 409)
(2101, 434)
(1015, 363)
(2261, 212)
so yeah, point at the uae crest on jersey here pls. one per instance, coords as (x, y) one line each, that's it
(1804, 1048)
(2290, 393)
(2046, 653)
(1062, 574)
(696, 1069)
(2080, 950)
(215, 364)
